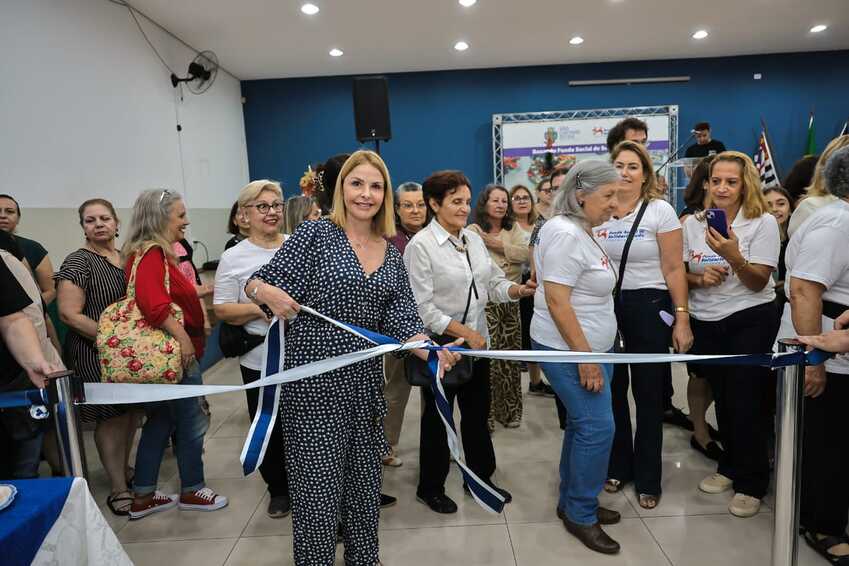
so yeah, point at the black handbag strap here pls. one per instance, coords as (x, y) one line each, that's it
(832, 309)
(627, 248)
(472, 286)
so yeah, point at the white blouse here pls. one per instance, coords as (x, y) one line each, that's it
(440, 277)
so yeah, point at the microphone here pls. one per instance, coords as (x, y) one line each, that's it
(677, 151)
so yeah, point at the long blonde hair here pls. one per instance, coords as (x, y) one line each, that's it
(383, 223)
(649, 190)
(151, 214)
(753, 202)
(818, 188)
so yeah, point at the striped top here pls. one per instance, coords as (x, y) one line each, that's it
(103, 284)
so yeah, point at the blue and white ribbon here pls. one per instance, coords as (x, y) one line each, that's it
(272, 376)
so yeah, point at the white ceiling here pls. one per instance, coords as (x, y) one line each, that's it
(259, 39)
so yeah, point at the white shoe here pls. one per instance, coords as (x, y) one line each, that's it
(743, 505)
(716, 483)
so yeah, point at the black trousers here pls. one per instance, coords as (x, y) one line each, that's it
(638, 457)
(825, 459)
(273, 467)
(740, 392)
(434, 458)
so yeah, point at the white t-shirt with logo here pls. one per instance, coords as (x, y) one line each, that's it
(234, 270)
(642, 271)
(566, 254)
(759, 242)
(819, 251)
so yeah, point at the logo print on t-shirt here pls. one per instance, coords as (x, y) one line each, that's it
(605, 262)
(703, 258)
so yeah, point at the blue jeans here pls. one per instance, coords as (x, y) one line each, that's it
(185, 418)
(586, 442)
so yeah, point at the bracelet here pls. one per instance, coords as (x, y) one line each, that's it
(255, 291)
(682, 309)
(737, 270)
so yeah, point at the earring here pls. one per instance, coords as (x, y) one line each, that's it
(117, 235)
(581, 204)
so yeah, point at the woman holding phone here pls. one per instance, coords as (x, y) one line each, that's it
(731, 250)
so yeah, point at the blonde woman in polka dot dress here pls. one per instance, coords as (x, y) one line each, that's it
(333, 422)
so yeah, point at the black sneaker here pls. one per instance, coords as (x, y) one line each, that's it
(676, 417)
(541, 389)
(279, 506)
(439, 503)
(387, 501)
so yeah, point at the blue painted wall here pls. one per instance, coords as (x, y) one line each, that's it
(443, 119)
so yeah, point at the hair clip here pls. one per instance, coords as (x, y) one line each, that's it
(320, 180)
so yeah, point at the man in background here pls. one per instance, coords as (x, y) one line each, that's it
(631, 129)
(705, 145)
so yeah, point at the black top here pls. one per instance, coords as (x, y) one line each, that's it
(15, 299)
(233, 241)
(713, 146)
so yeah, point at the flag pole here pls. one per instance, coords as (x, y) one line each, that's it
(769, 148)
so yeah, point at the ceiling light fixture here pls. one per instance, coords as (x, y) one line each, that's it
(468, 3)
(336, 52)
(577, 40)
(461, 46)
(819, 28)
(309, 9)
(701, 34)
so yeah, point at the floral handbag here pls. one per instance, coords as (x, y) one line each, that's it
(130, 349)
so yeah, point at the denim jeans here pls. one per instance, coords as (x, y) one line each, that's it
(586, 442)
(185, 418)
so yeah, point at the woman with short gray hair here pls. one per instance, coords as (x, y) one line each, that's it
(573, 310)
(818, 287)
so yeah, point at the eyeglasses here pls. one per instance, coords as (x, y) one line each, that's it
(263, 207)
(522, 199)
(412, 206)
(549, 190)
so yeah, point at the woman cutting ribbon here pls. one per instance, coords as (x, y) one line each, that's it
(332, 423)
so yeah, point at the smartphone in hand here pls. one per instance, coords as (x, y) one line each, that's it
(717, 220)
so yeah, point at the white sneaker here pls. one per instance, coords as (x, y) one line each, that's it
(743, 505)
(716, 483)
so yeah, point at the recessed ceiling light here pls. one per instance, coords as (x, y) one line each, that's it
(701, 34)
(819, 28)
(309, 9)
(577, 40)
(461, 46)
(336, 53)
(468, 3)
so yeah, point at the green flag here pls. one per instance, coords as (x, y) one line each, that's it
(811, 144)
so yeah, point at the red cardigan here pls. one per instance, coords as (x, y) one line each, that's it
(155, 302)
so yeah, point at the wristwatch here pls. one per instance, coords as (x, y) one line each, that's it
(255, 291)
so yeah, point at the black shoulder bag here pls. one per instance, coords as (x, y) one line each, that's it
(417, 370)
(617, 291)
(235, 341)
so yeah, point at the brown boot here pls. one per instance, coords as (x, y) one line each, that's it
(592, 536)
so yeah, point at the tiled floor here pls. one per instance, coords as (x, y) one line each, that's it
(688, 528)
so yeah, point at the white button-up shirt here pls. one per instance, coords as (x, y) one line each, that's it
(440, 277)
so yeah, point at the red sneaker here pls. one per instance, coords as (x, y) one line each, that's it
(203, 499)
(153, 504)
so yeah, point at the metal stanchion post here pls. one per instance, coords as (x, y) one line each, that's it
(65, 388)
(790, 405)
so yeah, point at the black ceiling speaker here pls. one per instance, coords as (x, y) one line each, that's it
(201, 74)
(371, 109)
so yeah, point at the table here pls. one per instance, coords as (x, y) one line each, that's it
(56, 521)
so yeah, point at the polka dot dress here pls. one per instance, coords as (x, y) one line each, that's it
(333, 422)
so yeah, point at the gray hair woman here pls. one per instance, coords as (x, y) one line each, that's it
(159, 220)
(299, 209)
(573, 310)
(818, 280)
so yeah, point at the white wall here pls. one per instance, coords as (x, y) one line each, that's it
(86, 110)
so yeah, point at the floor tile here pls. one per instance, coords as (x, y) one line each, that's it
(221, 457)
(183, 552)
(261, 525)
(487, 545)
(268, 551)
(549, 544)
